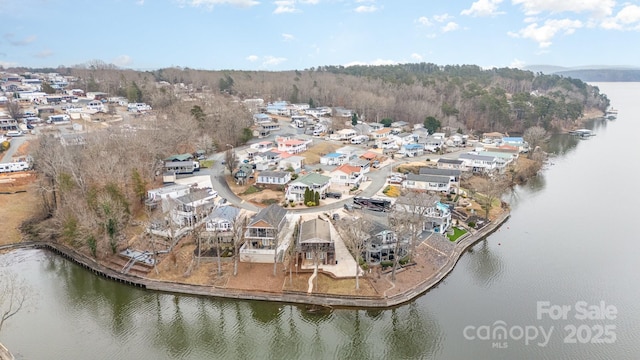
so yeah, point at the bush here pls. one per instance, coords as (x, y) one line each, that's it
(293, 205)
(404, 260)
(386, 263)
(311, 203)
(472, 224)
(286, 204)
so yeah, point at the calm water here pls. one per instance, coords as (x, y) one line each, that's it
(571, 238)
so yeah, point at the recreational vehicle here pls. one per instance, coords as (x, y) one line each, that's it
(360, 139)
(59, 119)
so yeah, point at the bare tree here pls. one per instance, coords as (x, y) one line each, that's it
(534, 136)
(15, 294)
(230, 160)
(239, 224)
(14, 109)
(355, 233)
(490, 191)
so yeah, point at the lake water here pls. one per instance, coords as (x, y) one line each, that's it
(570, 243)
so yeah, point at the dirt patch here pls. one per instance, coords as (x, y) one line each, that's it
(19, 201)
(261, 198)
(313, 154)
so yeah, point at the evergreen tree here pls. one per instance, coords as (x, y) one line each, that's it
(316, 198)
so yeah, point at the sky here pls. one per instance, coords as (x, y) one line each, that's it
(301, 34)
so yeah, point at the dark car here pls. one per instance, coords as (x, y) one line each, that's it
(335, 195)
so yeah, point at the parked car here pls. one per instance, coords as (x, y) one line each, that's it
(335, 195)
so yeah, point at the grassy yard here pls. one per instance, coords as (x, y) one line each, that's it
(457, 232)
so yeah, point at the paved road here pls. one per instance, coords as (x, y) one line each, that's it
(15, 144)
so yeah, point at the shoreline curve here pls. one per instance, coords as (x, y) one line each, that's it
(344, 301)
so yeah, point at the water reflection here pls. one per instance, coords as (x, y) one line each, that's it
(355, 328)
(402, 339)
(486, 266)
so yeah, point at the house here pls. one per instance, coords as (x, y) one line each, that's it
(400, 124)
(406, 138)
(342, 112)
(333, 159)
(270, 157)
(387, 143)
(412, 150)
(502, 158)
(190, 209)
(479, 163)
(517, 142)
(278, 178)
(427, 183)
(281, 108)
(492, 137)
(376, 126)
(155, 196)
(380, 133)
(453, 164)
(381, 244)
(437, 216)
(343, 134)
(453, 174)
(261, 118)
(315, 245)
(293, 146)
(268, 127)
(431, 143)
(243, 174)
(295, 163)
(219, 225)
(347, 175)
(264, 228)
(364, 165)
(313, 181)
(350, 151)
(362, 129)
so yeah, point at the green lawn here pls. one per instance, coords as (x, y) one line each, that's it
(206, 164)
(457, 232)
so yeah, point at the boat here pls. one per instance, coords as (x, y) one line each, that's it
(582, 133)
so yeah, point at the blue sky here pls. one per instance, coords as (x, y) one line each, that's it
(299, 34)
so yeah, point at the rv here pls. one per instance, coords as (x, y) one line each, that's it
(14, 166)
(360, 139)
(14, 133)
(59, 119)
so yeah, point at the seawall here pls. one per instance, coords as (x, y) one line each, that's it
(286, 297)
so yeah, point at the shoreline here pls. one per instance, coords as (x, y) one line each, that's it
(332, 300)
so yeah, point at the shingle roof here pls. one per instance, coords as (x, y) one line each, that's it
(313, 179)
(440, 172)
(272, 215)
(428, 178)
(315, 231)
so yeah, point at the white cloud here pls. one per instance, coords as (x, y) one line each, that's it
(44, 54)
(366, 9)
(423, 20)
(211, 3)
(252, 58)
(8, 64)
(10, 37)
(416, 57)
(140, 2)
(596, 7)
(122, 60)
(627, 18)
(442, 18)
(272, 61)
(285, 6)
(287, 37)
(310, 2)
(451, 26)
(545, 33)
(517, 64)
(483, 8)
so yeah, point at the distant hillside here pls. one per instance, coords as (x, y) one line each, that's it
(593, 73)
(603, 75)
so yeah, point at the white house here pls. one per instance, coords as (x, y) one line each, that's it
(294, 162)
(363, 164)
(343, 134)
(273, 177)
(437, 216)
(479, 163)
(313, 181)
(293, 146)
(347, 175)
(453, 164)
(427, 183)
(333, 159)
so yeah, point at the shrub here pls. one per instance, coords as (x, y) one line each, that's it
(386, 263)
(293, 204)
(404, 260)
(286, 204)
(91, 242)
(472, 224)
(311, 203)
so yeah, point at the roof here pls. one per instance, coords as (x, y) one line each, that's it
(439, 172)
(228, 213)
(369, 155)
(347, 169)
(294, 158)
(272, 213)
(476, 157)
(359, 162)
(276, 174)
(450, 161)
(383, 131)
(292, 142)
(414, 202)
(313, 179)
(315, 231)
(513, 139)
(413, 146)
(428, 178)
(179, 157)
(333, 155)
(195, 196)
